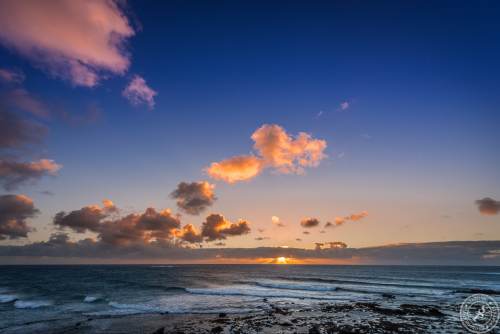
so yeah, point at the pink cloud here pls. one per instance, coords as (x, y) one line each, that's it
(73, 40)
(344, 105)
(20, 98)
(138, 92)
(10, 76)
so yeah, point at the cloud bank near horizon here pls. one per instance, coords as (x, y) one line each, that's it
(59, 249)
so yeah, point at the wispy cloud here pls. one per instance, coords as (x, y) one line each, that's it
(14, 173)
(16, 132)
(11, 76)
(74, 40)
(344, 105)
(342, 220)
(138, 92)
(21, 99)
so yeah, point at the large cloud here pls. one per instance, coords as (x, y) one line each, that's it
(74, 40)
(86, 218)
(14, 173)
(216, 227)
(286, 154)
(14, 211)
(131, 229)
(195, 197)
(138, 92)
(16, 132)
(275, 149)
(488, 206)
(145, 228)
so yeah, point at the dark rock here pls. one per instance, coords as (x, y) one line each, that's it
(222, 315)
(159, 331)
(217, 329)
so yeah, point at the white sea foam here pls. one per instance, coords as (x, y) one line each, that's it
(28, 304)
(91, 299)
(7, 298)
(293, 285)
(249, 290)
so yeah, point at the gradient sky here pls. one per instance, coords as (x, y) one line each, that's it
(415, 146)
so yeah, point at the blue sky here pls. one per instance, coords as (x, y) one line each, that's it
(417, 145)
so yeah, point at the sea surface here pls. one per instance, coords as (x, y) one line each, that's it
(30, 294)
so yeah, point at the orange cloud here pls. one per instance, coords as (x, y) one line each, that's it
(342, 220)
(236, 169)
(488, 206)
(276, 149)
(284, 153)
(74, 40)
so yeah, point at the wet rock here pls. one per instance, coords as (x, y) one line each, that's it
(159, 330)
(217, 329)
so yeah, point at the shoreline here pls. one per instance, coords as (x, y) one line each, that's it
(358, 317)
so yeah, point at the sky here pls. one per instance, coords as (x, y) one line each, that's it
(247, 124)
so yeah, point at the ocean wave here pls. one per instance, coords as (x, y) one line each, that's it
(91, 299)
(30, 304)
(7, 298)
(291, 285)
(369, 282)
(174, 308)
(253, 291)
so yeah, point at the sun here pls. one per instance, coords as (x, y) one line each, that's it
(281, 260)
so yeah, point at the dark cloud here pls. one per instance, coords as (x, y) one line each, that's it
(150, 226)
(190, 234)
(14, 211)
(159, 225)
(309, 222)
(337, 244)
(318, 245)
(298, 239)
(16, 132)
(306, 232)
(488, 206)
(14, 173)
(216, 227)
(86, 218)
(262, 238)
(195, 197)
(61, 250)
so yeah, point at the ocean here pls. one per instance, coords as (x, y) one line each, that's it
(31, 294)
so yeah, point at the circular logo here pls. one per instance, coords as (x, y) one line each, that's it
(479, 313)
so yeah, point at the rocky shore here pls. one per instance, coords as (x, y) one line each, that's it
(360, 317)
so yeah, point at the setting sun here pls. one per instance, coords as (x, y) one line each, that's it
(281, 260)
